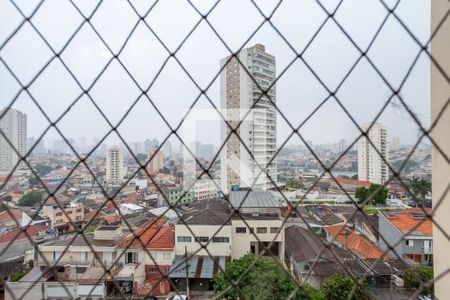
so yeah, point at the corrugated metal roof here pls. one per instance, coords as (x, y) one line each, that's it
(253, 199)
(198, 266)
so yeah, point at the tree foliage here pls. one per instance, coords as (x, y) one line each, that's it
(294, 183)
(42, 169)
(338, 287)
(379, 196)
(415, 276)
(30, 199)
(420, 188)
(265, 280)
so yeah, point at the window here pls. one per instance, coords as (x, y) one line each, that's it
(184, 239)
(261, 230)
(241, 229)
(221, 239)
(201, 239)
(131, 257)
(83, 256)
(59, 214)
(152, 270)
(154, 254)
(274, 229)
(167, 255)
(409, 243)
(81, 270)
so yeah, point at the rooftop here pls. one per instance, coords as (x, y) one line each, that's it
(253, 199)
(207, 212)
(411, 219)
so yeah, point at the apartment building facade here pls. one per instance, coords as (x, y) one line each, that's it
(115, 170)
(13, 124)
(372, 156)
(248, 94)
(69, 215)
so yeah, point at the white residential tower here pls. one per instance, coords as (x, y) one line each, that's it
(242, 87)
(372, 163)
(13, 124)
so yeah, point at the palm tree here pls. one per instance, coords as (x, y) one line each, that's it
(420, 188)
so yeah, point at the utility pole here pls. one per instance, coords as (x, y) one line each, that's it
(187, 271)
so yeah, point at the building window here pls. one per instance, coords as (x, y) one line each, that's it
(167, 255)
(221, 239)
(261, 229)
(154, 254)
(201, 239)
(81, 269)
(241, 229)
(274, 229)
(131, 257)
(409, 243)
(184, 239)
(153, 270)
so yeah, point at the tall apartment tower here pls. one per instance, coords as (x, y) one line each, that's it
(13, 124)
(115, 171)
(371, 166)
(157, 162)
(239, 94)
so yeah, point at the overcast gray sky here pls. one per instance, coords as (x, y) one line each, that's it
(298, 92)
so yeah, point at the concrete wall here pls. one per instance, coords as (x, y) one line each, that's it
(440, 92)
(46, 290)
(390, 234)
(216, 249)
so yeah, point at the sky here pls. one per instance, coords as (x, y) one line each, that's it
(330, 55)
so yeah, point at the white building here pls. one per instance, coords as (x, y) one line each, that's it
(238, 93)
(371, 157)
(13, 124)
(115, 171)
(205, 189)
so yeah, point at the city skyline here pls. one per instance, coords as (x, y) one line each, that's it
(299, 92)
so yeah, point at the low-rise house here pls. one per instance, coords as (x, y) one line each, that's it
(71, 214)
(130, 208)
(10, 219)
(250, 222)
(147, 255)
(409, 232)
(74, 257)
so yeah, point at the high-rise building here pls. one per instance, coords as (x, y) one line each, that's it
(244, 92)
(157, 161)
(371, 163)
(115, 171)
(13, 124)
(167, 148)
(342, 146)
(395, 144)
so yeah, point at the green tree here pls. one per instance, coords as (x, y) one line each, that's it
(27, 267)
(30, 198)
(379, 196)
(265, 280)
(414, 277)
(338, 287)
(42, 170)
(355, 176)
(294, 183)
(33, 181)
(6, 198)
(420, 188)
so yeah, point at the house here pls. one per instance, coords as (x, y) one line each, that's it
(355, 241)
(64, 217)
(83, 258)
(214, 231)
(147, 255)
(130, 208)
(10, 218)
(409, 232)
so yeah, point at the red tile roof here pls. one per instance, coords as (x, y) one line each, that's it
(154, 235)
(354, 182)
(17, 234)
(355, 242)
(6, 216)
(404, 222)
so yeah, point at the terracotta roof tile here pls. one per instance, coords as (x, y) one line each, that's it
(155, 235)
(404, 221)
(355, 242)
